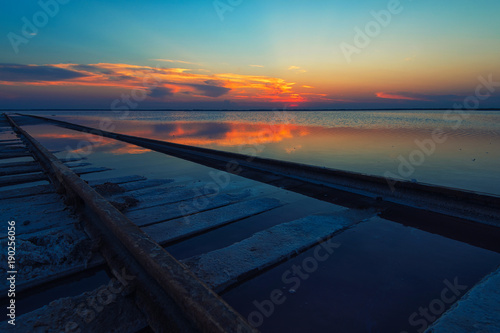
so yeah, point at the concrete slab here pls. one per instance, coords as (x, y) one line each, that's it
(17, 170)
(478, 311)
(22, 179)
(117, 180)
(47, 217)
(25, 192)
(32, 202)
(145, 184)
(222, 268)
(175, 193)
(152, 215)
(18, 164)
(4, 156)
(109, 312)
(184, 227)
(84, 171)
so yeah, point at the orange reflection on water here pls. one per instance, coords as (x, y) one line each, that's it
(313, 143)
(83, 144)
(375, 150)
(188, 133)
(129, 149)
(230, 134)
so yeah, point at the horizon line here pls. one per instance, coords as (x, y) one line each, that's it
(256, 110)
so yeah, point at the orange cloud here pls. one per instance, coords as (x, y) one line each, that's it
(177, 61)
(179, 84)
(296, 69)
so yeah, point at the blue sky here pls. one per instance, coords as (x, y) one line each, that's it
(432, 51)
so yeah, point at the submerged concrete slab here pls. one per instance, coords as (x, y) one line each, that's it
(84, 171)
(11, 143)
(134, 186)
(33, 202)
(163, 203)
(4, 156)
(478, 311)
(18, 164)
(51, 216)
(17, 170)
(184, 227)
(13, 149)
(110, 308)
(25, 192)
(22, 179)
(222, 268)
(117, 180)
(77, 164)
(151, 215)
(11, 140)
(161, 195)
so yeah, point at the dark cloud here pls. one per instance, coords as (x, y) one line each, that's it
(437, 98)
(24, 73)
(160, 92)
(92, 69)
(419, 97)
(228, 104)
(209, 90)
(214, 83)
(120, 78)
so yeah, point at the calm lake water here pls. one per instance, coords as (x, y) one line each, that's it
(383, 271)
(455, 149)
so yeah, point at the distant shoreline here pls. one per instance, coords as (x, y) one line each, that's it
(252, 110)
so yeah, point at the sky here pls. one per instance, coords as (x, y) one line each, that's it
(242, 54)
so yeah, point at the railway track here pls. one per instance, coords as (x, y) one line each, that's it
(174, 299)
(123, 225)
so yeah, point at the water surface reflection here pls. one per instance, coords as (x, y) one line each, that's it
(469, 158)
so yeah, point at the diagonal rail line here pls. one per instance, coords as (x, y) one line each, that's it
(178, 300)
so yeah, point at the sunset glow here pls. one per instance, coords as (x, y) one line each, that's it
(253, 55)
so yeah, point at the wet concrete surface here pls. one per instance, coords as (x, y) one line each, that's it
(380, 274)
